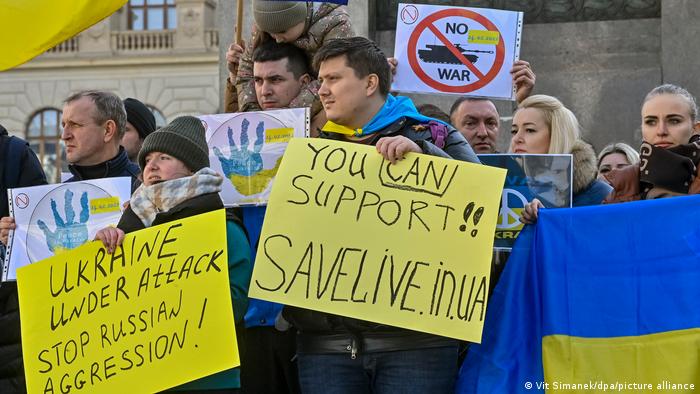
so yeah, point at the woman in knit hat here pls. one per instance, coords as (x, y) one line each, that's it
(670, 153)
(178, 183)
(306, 25)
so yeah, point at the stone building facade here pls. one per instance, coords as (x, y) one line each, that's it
(169, 62)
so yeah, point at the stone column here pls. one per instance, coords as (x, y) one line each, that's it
(362, 17)
(680, 28)
(193, 16)
(95, 41)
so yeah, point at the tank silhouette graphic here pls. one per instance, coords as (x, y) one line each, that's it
(441, 54)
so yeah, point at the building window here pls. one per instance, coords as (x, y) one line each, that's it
(152, 15)
(44, 137)
(160, 118)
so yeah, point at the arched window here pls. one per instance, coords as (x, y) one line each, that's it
(44, 137)
(152, 15)
(160, 118)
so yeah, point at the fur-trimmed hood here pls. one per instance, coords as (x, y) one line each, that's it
(585, 165)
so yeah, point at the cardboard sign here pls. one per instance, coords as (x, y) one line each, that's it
(456, 50)
(247, 148)
(52, 219)
(155, 314)
(407, 245)
(549, 178)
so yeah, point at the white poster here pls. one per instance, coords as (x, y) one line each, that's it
(456, 50)
(247, 148)
(54, 218)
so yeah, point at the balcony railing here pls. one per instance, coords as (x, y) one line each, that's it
(143, 41)
(68, 46)
(129, 42)
(211, 39)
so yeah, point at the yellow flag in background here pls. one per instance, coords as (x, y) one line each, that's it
(33, 26)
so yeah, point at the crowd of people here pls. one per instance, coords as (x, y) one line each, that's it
(307, 55)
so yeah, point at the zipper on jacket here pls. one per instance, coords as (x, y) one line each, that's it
(353, 349)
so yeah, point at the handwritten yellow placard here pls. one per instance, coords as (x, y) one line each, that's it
(279, 135)
(407, 245)
(104, 205)
(483, 37)
(155, 314)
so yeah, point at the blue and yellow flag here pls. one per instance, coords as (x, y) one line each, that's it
(596, 299)
(30, 27)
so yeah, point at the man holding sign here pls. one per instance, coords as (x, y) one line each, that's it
(342, 354)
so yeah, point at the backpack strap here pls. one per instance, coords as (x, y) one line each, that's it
(439, 133)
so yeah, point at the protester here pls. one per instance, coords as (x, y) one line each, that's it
(280, 72)
(140, 122)
(93, 124)
(345, 355)
(543, 125)
(478, 119)
(306, 25)
(178, 183)
(670, 152)
(613, 156)
(19, 167)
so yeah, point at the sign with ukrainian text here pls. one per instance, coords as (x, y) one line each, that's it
(407, 245)
(548, 178)
(155, 314)
(456, 50)
(52, 219)
(247, 148)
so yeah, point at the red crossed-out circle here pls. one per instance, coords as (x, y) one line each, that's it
(428, 23)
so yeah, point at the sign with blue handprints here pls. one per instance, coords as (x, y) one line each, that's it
(52, 219)
(247, 149)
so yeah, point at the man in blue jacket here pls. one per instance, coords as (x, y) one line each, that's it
(344, 355)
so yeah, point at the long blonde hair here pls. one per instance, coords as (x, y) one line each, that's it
(563, 125)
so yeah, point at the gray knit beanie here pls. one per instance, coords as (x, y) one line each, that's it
(182, 139)
(277, 16)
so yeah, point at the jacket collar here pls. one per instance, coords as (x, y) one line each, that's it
(115, 166)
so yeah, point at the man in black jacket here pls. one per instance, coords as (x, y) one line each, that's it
(93, 125)
(345, 355)
(19, 167)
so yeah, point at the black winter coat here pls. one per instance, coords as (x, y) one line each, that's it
(11, 367)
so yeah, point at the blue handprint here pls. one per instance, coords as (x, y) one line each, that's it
(243, 161)
(68, 233)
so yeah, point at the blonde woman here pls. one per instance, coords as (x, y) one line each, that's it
(614, 156)
(542, 125)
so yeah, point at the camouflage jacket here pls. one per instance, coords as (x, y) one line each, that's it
(324, 22)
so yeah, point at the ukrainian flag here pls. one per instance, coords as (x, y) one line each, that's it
(595, 296)
(30, 27)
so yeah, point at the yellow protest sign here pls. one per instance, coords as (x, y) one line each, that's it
(155, 314)
(407, 245)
